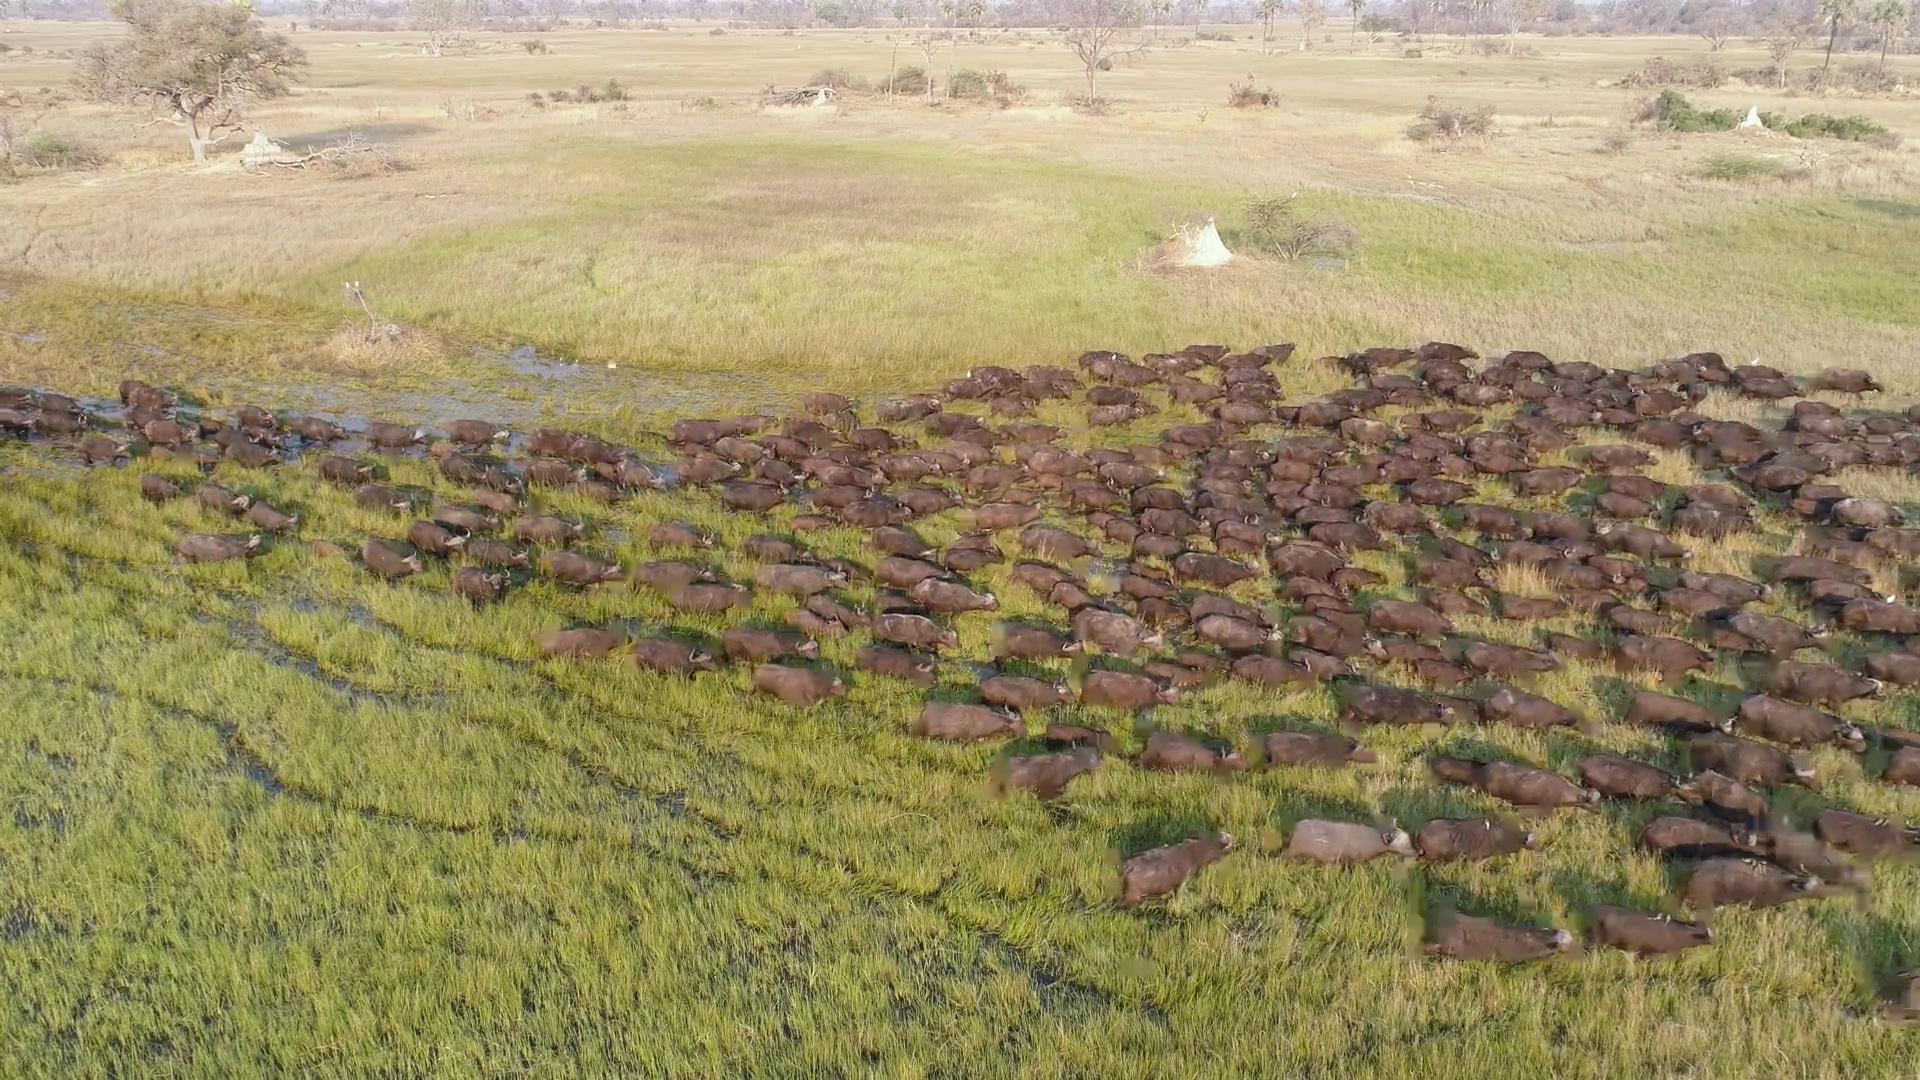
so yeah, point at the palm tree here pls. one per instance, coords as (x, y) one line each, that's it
(1890, 18)
(1357, 6)
(1158, 10)
(1268, 11)
(1833, 11)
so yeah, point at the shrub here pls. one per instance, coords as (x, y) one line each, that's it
(1003, 88)
(968, 83)
(1244, 96)
(1450, 122)
(1412, 54)
(46, 150)
(611, 90)
(1616, 141)
(1659, 71)
(534, 46)
(1738, 165)
(907, 80)
(1212, 35)
(1674, 112)
(1671, 110)
(1272, 225)
(1822, 126)
(718, 31)
(838, 78)
(535, 99)
(703, 103)
(560, 97)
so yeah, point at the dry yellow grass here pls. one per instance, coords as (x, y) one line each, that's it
(895, 237)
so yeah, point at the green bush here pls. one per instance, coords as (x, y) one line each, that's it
(1737, 165)
(1272, 225)
(906, 80)
(1822, 126)
(46, 150)
(970, 84)
(1450, 122)
(1674, 112)
(611, 90)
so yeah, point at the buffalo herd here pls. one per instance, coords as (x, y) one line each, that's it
(1242, 539)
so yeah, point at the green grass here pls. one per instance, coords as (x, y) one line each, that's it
(1738, 165)
(279, 815)
(281, 818)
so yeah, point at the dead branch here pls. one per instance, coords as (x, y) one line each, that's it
(800, 95)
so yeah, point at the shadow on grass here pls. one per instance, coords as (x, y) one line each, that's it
(1158, 830)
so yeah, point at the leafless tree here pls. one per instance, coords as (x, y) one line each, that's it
(1781, 42)
(1313, 16)
(444, 20)
(1101, 32)
(1715, 29)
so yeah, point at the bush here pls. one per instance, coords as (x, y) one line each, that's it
(718, 31)
(1616, 141)
(970, 84)
(611, 90)
(906, 80)
(1671, 110)
(1450, 122)
(702, 103)
(1674, 112)
(1822, 126)
(1659, 71)
(535, 99)
(1212, 35)
(1244, 96)
(534, 46)
(46, 150)
(1737, 165)
(1271, 225)
(560, 97)
(838, 78)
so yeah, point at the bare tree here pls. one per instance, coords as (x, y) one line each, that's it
(195, 65)
(1521, 13)
(1781, 42)
(1715, 29)
(444, 20)
(1100, 32)
(1313, 16)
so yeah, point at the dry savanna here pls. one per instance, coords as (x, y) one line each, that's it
(694, 543)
